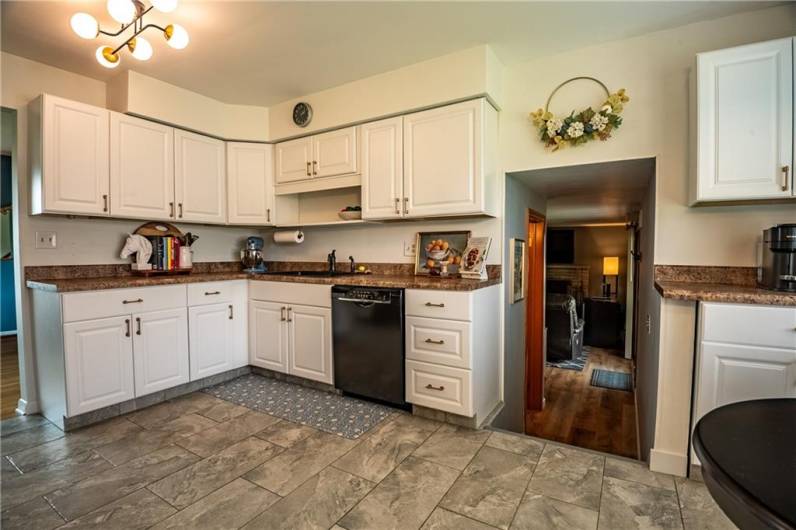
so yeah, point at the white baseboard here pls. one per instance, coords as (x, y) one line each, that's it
(7, 333)
(27, 407)
(667, 462)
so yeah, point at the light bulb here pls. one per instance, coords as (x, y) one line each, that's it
(84, 25)
(142, 50)
(166, 6)
(176, 36)
(106, 58)
(122, 11)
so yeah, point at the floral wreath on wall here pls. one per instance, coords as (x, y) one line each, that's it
(579, 128)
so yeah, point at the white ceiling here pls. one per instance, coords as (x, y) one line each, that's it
(591, 193)
(262, 53)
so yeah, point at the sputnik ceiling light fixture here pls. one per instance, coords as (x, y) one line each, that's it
(130, 14)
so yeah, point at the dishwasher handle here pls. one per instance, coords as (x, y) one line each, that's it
(364, 302)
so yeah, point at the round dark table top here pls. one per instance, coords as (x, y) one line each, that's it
(748, 456)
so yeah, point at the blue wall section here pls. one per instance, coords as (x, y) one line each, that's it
(8, 315)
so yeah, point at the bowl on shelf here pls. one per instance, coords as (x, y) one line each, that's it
(350, 215)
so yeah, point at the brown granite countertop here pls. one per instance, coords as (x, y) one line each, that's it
(736, 285)
(79, 278)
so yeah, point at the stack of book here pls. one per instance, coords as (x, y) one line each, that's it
(165, 253)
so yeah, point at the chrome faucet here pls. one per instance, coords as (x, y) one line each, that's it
(353, 264)
(331, 259)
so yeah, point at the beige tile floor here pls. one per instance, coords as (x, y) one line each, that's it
(200, 462)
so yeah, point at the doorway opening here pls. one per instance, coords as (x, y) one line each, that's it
(582, 340)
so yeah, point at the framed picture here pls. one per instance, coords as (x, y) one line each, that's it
(517, 260)
(437, 249)
(474, 258)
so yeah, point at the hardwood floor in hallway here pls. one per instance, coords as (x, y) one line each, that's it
(9, 376)
(577, 413)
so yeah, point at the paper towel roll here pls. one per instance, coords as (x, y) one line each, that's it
(289, 236)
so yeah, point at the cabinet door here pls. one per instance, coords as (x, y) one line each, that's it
(250, 183)
(199, 178)
(160, 346)
(142, 168)
(212, 339)
(293, 160)
(310, 330)
(268, 343)
(335, 153)
(99, 363)
(75, 157)
(733, 372)
(382, 169)
(442, 160)
(745, 122)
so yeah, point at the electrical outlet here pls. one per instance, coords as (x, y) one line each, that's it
(410, 248)
(46, 240)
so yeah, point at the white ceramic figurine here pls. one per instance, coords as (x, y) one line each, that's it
(141, 247)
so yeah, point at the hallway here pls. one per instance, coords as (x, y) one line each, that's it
(9, 376)
(579, 414)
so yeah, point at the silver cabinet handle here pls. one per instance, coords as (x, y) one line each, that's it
(268, 215)
(231, 316)
(309, 174)
(138, 325)
(785, 173)
(171, 209)
(136, 301)
(127, 326)
(432, 387)
(179, 205)
(398, 206)
(432, 341)
(314, 167)
(429, 304)
(406, 205)
(212, 293)
(104, 203)
(290, 314)
(282, 314)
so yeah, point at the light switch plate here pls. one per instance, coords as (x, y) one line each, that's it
(409, 248)
(46, 240)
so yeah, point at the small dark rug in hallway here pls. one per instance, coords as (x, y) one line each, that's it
(611, 380)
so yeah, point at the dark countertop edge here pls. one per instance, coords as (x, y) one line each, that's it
(732, 294)
(375, 280)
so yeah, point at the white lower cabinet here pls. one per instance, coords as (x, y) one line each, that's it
(289, 335)
(160, 350)
(98, 363)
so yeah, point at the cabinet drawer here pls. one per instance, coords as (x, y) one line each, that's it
(215, 292)
(439, 387)
(439, 304)
(435, 340)
(754, 325)
(115, 302)
(291, 293)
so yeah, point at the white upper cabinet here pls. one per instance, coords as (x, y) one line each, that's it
(744, 123)
(142, 168)
(199, 178)
(294, 160)
(448, 157)
(250, 183)
(69, 157)
(382, 169)
(335, 153)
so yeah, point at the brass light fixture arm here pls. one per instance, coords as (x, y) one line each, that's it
(127, 26)
(137, 33)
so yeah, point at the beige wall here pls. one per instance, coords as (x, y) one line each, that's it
(654, 69)
(591, 245)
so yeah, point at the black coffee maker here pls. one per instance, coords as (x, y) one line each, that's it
(778, 270)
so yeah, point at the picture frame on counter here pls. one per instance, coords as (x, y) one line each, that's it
(474, 258)
(440, 253)
(517, 261)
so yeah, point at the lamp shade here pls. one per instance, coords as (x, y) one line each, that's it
(610, 266)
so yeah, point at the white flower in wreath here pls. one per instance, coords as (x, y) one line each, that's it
(575, 129)
(553, 126)
(598, 122)
(606, 109)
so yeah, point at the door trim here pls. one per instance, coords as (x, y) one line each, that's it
(534, 312)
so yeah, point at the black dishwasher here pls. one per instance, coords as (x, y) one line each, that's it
(368, 336)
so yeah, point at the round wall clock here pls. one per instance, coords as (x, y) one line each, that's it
(302, 114)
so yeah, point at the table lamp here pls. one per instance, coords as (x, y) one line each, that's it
(610, 268)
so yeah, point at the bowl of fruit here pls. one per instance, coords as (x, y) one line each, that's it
(350, 213)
